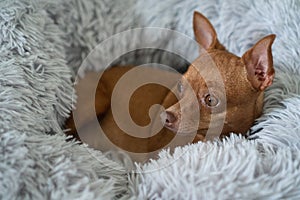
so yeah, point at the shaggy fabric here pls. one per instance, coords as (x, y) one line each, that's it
(36, 96)
(234, 168)
(44, 42)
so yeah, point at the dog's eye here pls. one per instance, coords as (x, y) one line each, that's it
(211, 100)
(179, 87)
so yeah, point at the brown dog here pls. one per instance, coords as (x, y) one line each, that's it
(224, 103)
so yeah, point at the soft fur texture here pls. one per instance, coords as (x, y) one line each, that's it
(44, 42)
(36, 97)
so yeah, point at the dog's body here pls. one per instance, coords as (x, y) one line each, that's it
(139, 105)
(205, 102)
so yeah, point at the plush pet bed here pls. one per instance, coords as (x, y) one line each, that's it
(44, 42)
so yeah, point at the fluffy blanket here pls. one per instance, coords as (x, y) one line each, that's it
(43, 43)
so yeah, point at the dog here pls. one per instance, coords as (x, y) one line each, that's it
(199, 103)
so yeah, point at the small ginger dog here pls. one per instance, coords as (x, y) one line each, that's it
(200, 100)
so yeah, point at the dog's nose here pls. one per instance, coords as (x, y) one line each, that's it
(168, 118)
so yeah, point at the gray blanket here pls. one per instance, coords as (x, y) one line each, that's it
(44, 42)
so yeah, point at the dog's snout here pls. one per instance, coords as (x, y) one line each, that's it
(168, 118)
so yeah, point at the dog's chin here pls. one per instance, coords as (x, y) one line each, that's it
(183, 132)
(202, 131)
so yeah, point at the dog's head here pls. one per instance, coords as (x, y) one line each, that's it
(228, 89)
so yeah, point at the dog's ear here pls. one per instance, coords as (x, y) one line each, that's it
(259, 63)
(205, 33)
